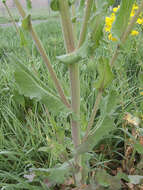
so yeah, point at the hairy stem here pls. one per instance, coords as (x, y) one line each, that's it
(74, 76)
(44, 56)
(85, 22)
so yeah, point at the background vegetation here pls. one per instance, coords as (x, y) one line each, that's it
(31, 137)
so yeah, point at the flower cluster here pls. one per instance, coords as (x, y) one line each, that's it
(109, 21)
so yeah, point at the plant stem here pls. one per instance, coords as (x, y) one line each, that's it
(44, 56)
(85, 22)
(126, 33)
(94, 111)
(12, 19)
(74, 77)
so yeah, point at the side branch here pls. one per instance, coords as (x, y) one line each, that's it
(44, 56)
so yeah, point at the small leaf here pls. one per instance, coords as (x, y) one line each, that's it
(106, 126)
(26, 23)
(3, 1)
(23, 41)
(54, 5)
(105, 74)
(75, 56)
(96, 34)
(122, 18)
(71, 2)
(29, 4)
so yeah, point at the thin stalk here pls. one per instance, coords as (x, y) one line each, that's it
(74, 24)
(74, 77)
(44, 56)
(94, 111)
(12, 19)
(85, 22)
(126, 33)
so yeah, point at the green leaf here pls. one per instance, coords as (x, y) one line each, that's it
(3, 1)
(71, 2)
(96, 34)
(109, 103)
(29, 4)
(57, 175)
(140, 77)
(138, 147)
(105, 74)
(54, 5)
(19, 98)
(97, 23)
(106, 180)
(103, 178)
(106, 126)
(75, 56)
(122, 18)
(122, 175)
(23, 41)
(26, 22)
(29, 85)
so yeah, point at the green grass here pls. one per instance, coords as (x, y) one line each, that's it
(28, 137)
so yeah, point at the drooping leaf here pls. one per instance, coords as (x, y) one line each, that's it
(122, 18)
(26, 22)
(105, 74)
(106, 126)
(29, 4)
(29, 85)
(75, 56)
(54, 4)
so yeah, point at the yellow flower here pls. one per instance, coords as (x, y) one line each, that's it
(140, 21)
(141, 93)
(134, 33)
(134, 8)
(115, 9)
(110, 37)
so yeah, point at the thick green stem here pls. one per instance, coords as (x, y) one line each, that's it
(85, 22)
(73, 74)
(44, 56)
(126, 33)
